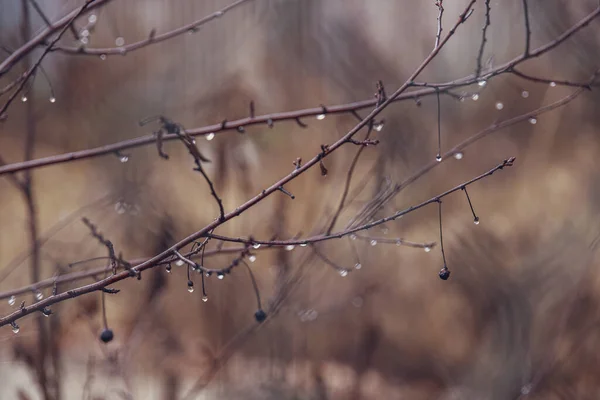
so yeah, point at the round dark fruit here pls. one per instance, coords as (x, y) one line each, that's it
(444, 274)
(106, 335)
(260, 315)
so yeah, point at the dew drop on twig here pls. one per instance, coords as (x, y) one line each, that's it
(119, 41)
(533, 120)
(252, 258)
(210, 136)
(343, 272)
(321, 117)
(458, 155)
(12, 300)
(427, 249)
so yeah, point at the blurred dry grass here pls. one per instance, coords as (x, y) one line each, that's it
(520, 308)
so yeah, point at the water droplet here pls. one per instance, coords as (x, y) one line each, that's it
(378, 127)
(499, 106)
(343, 272)
(204, 299)
(482, 83)
(92, 18)
(84, 40)
(353, 237)
(533, 120)
(119, 41)
(103, 57)
(169, 268)
(252, 258)
(46, 312)
(525, 94)
(85, 33)
(476, 220)
(120, 207)
(475, 97)
(373, 242)
(52, 99)
(179, 263)
(357, 266)
(552, 84)
(220, 276)
(15, 327)
(123, 159)
(458, 155)
(191, 289)
(39, 296)
(23, 98)
(357, 302)
(321, 117)
(289, 247)
(398, 242)
(210, 136)
(427, 249)
(303, 244)
(256, 246)
(438, 158)
(12, 300)
(219, 14)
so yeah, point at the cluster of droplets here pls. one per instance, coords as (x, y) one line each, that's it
(122, 207)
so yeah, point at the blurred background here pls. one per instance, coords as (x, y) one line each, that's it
(517, 319)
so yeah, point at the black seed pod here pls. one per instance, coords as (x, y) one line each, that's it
(106, 335)
(444, 274)
(260, 315)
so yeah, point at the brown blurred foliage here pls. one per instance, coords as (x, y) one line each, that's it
(517, 318)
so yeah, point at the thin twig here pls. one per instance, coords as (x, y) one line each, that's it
(152, 39)
(483, 38)
(440, 6)
(527, 28)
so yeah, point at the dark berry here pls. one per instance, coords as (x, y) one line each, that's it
(260, 315)
(444, 274)
(106, 335)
